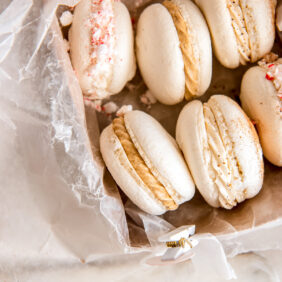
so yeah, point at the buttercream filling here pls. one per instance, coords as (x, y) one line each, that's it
(240, 29)
(140, 166)
(223, 167)
(191, 64)
(273, 68)
(102, 46)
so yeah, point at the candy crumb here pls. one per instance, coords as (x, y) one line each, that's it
(147, 98)
(95, 104)
(123, 110)
(110, 107)
(66, 18)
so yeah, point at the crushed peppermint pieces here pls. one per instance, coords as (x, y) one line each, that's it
(95, 104)
(269, 76)
(102, 49)
(273, 67)
(108, 108)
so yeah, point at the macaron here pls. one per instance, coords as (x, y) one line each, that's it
(173, 50)
(102, 47)
(279, 20)
(261, 97)
(222, 150)
(242, 31)
(146, 163)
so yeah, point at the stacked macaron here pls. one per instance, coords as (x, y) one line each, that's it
(101, 47)
(146, 163)
(261, 96)
(222, 150)
(242, 31)
(174, 51)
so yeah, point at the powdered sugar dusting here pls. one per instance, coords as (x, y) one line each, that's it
(102, 40)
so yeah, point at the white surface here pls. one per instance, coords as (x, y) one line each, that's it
(258, 267)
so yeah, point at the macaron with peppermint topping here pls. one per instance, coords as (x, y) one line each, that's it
(102, 47)
(261, 97)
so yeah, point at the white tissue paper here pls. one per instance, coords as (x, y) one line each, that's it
(59, 207)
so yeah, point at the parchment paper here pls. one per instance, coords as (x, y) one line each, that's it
(58, 203)
(264, 208)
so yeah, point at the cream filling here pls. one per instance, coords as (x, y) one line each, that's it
(223, 167)
(240, 29)
(273, 68)
(140, 166)
(102, 47)
(191, 63)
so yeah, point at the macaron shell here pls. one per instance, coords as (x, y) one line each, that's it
(79, 46)
(261, 17)
(191, 137)
(197, 26)
(124, 66)
(259, 20)
(124, 174)
(159, 56)
(245, 142)
(161, 154)
(223, 38)
(259, 100)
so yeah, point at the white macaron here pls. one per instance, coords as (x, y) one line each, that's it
(242, 31)
(173, 49)
(146, 163)
(102, 47)
(222, 150)
(261, 97)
